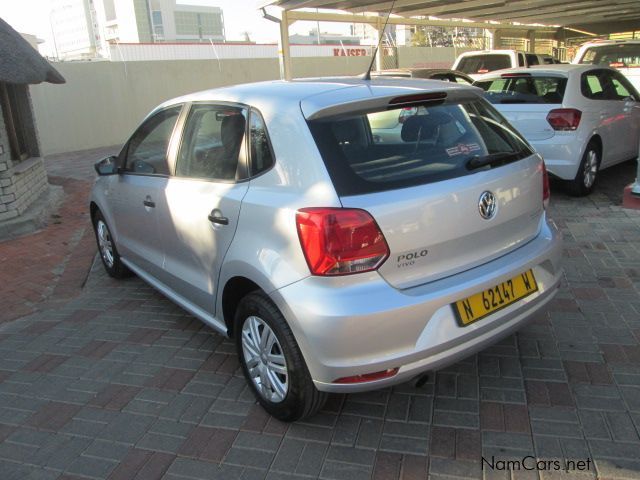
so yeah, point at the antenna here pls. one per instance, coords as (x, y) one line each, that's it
(367, 74)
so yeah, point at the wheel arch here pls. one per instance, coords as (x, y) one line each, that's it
(235, 288)
(597, 140)
(93, 209)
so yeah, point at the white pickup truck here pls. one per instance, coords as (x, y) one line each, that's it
(623, 55)
(477, 63)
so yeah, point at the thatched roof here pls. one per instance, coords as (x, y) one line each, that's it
(20, 62)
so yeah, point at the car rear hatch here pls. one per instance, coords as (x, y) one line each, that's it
(426, 189)
(526, 100)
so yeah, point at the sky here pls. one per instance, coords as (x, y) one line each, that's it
(32, 16)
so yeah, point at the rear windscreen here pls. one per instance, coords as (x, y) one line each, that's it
(616, 56)
(484, 63)
(525, 89)
(402, 147)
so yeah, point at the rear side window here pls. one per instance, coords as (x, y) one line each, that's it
(484, 63)
(524, 89)
(625, 55)
(212, 143)
(596, 86)
(424, 144)
(261, 153)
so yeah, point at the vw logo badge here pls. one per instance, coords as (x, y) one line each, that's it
(487, 205)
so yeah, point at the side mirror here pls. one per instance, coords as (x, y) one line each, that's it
(107, 166)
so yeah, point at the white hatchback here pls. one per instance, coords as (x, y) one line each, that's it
(581, 118)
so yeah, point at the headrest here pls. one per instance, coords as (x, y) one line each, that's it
(423, 126)
(346, 131)
(232, 129)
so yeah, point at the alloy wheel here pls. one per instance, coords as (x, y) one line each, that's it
(590, 169)
(104, 243)
(264, 359)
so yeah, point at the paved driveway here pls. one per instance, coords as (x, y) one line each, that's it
(119, 383)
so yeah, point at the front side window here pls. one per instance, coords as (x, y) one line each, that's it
(261, 153)
(624, 89)
(524, 89)
(430, 143)
(147, 149)
(212, 143)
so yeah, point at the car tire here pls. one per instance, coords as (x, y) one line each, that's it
(585, 180)
(287, 397)
(107, 249)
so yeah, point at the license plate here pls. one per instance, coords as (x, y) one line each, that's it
(482, 304)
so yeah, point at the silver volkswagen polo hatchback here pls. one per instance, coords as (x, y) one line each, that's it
(348, 234)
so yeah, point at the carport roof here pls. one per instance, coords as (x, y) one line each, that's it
(550, 12)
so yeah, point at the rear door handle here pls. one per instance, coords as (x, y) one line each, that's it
(219, 220)
(149, 203)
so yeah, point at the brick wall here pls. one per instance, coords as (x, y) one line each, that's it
(21, 183)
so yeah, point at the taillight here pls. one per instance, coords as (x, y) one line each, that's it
(564, 119)
(546, 190)
(340, 241)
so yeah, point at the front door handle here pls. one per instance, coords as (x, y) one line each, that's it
(149, 203)
(218, 219)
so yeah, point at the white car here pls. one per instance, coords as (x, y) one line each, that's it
(623, 55)
(580, 118)
(477, 63)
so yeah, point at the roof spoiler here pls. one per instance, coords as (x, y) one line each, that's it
(315, 111)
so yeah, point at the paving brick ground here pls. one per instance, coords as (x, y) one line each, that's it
(49, 267)
(119, 383)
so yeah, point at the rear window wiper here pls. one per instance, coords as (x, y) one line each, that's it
(500, 158)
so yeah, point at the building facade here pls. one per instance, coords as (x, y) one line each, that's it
(23, 179)
(83, 29)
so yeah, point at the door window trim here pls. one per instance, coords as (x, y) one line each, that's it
(243, 162)
(124, 153)
(633, 92)
(266, 131)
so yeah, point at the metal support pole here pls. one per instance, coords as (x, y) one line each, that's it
(380, 52)
(496, 41)
(532, 41)
(284, 51)
(635, 187)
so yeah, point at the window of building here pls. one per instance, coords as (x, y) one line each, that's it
(14, 120)
(158, 26)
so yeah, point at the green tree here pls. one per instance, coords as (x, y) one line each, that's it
(419, 39)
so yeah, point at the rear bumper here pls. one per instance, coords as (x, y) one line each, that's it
(562, 154)
(355, 325)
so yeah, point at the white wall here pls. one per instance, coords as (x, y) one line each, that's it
(102, 102)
